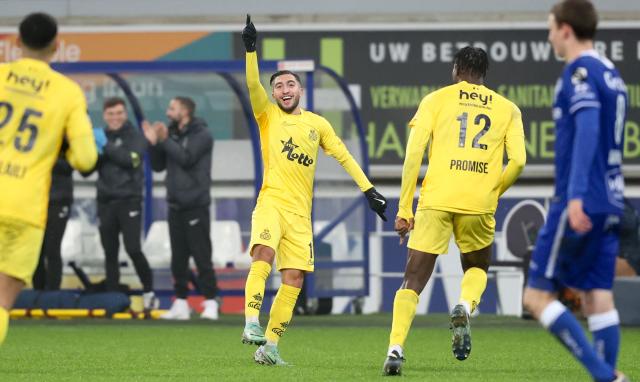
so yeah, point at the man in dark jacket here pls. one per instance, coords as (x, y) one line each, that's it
(184, 151)
(48, 274)
(120, 183)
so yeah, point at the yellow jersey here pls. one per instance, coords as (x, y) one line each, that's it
(38, 108)
(289, 144)
(468, 126)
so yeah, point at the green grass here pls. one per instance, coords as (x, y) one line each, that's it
(343, 348)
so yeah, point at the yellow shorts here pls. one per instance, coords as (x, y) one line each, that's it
(289, 235)
(20, 245)
(432, 231)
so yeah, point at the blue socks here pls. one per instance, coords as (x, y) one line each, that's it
(562, 324)
(605, 328)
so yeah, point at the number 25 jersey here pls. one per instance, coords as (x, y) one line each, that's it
(38, 107)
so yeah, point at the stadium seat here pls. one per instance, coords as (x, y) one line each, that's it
(226, 240)
(230, 162)
(72, 241)
(337, 238)
(81, 243)
(156, 246)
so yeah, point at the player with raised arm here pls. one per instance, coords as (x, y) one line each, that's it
(39, 108)
(578, 245)
(469, 127)
(281, 223)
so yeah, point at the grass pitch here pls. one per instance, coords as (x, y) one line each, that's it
(336, 348)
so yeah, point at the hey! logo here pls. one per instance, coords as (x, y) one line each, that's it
(280, 331)
(256, 303)
(289, 147)
(34, 84)
(265, 235)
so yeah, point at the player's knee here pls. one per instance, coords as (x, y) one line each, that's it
(478, 259)
(536, 300)
(293, 277)
(261, 252)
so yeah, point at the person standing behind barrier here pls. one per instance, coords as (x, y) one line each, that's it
(120, 183)
(184, 150)
(48, 274)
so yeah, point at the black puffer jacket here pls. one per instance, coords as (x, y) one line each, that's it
(120, 167)
(186, 155)
(61, 182)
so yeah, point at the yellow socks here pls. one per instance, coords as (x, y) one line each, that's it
(4, 324)
(254, 289)
(281, 312)
(404, 309)
(474, 282)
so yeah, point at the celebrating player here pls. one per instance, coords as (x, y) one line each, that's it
(578, 244)
(281, 222)
(38, 109)
(469, 127)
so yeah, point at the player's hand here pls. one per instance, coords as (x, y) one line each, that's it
(249, 35)
(377, 202)
(100, 138)
(578, 220)
(149, 133)
(402, 227)
(161, 131)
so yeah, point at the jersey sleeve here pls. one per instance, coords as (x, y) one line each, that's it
(581, 90)
(585, 143)
(82, 153)
(516, 152)
(334, 147)
(257, 94)
(421, 127)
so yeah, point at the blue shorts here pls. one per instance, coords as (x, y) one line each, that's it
(564, 258)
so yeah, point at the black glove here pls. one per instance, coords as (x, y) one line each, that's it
(249, 36)
(377, 202)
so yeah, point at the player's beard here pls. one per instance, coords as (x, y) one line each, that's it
(290, 109)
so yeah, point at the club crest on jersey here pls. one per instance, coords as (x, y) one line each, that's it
(289, 148)
(265, 235)
(313, 135)
(579, 75)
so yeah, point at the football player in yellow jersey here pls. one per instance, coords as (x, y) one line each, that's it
(38, 109)
(469, 127)
(281, 223)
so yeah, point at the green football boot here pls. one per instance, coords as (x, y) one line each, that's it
(461, 333)
(253, 335)
(269, 355)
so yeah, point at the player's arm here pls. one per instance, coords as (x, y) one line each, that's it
(257, 94)
(127, 157)
(585, 143)
(82, 152)
(420, 131)
(188, 155)
(516, 152)
(334, 147)
(584, 101)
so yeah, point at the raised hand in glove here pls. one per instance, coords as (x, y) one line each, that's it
(377, 202)
(249, 36)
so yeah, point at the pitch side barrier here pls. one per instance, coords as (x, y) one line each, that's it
(225, 69)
